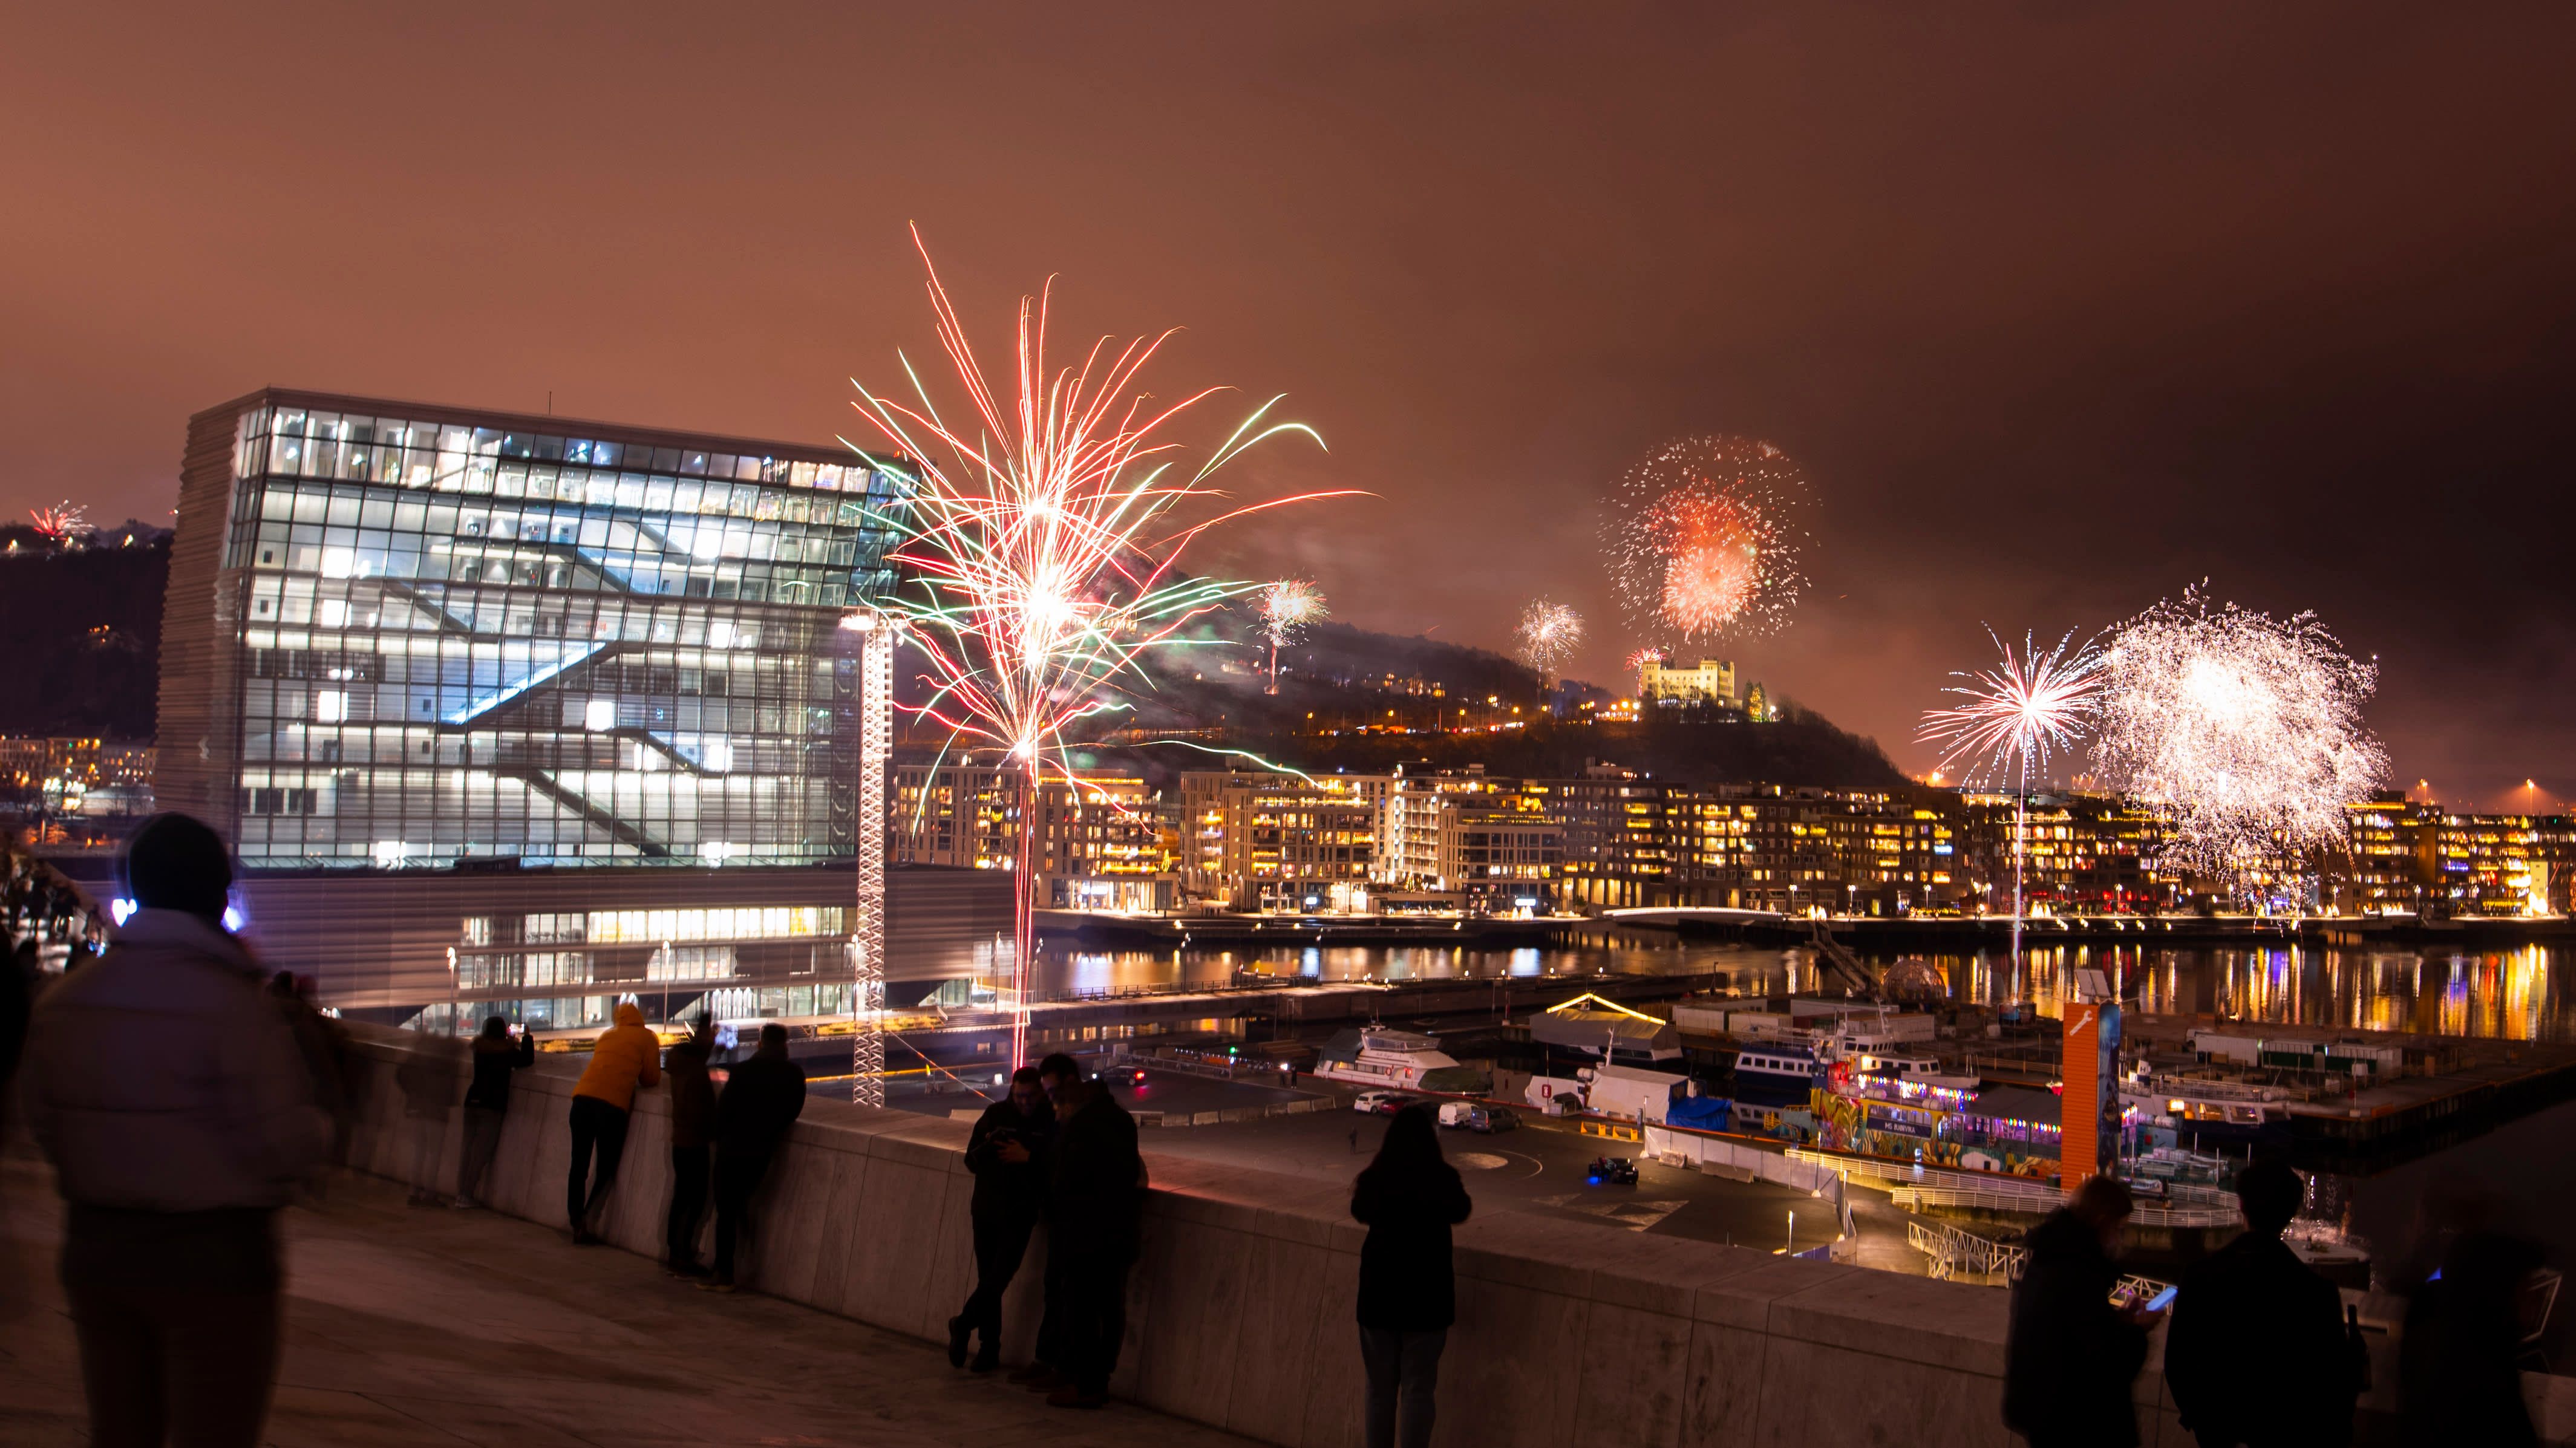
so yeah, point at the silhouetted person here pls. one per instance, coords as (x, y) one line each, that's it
(179, 1116)
(1008, 1153)
(1094, 1200)
(1409, 1198)
(624, 1057)
(2069, 1355)
(325, 1048)
(429, 1077)
(17, 1001)
(2257, 1353)
(762, 1098)
(693, 1135)
(1058, 1074)
(2459, 1379)
(487, 1102)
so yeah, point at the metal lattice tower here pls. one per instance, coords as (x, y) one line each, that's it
(868, 936)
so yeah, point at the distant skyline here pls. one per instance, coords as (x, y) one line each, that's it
(2060, 313)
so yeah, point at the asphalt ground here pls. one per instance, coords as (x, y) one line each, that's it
(1539, 1169)
(1172, 1092)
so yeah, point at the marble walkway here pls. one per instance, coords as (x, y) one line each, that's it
(436, 1327)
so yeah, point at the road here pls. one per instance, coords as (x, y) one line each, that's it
(1539, 1168)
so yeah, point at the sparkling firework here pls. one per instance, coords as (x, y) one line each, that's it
(59, 522)
(1549, 632)
(1285, 608)
(2017, 715)
(2247, 727)
(1639, 658)
(1039, 561)
(1703, 539)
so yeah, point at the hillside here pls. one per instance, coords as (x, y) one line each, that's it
(85, 635)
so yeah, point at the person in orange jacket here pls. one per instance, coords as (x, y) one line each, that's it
(625, 1057)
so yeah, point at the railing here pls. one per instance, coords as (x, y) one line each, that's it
(1959, 1256)
(2147, 1214)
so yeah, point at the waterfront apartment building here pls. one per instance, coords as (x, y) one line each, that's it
(1492, 845)
(2419, 857)
(1098, 845)
(1263, 841)
(518, 713)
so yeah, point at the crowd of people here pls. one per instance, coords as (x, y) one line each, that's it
(2260, 1350)
(184, 1096)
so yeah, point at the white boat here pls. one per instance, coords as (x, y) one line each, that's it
(1404, 1060)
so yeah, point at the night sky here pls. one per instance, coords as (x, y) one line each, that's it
(2062, 308)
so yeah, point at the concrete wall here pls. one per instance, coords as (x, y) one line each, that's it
(1241, 1310)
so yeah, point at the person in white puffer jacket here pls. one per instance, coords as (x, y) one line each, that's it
(167, 1087)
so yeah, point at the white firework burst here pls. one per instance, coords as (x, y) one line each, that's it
(2246, 727)
(1549, 633)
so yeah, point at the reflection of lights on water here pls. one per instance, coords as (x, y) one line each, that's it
(1525, 961)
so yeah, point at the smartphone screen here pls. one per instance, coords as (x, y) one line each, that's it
(2162, 1300)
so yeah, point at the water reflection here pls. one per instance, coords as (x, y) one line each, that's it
(2512, 994)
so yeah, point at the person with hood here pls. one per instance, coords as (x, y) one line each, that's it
(693, 1134)
(1094, 1203)
(2257, 1353)
(1409, 1198)
(2070, 1356)
(487, 1102)
(624, 1057)
(762, 1098)
(1007, 1152)
(175, 1105)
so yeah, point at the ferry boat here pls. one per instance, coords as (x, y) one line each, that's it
(1403, 1060)
(1776, 1075)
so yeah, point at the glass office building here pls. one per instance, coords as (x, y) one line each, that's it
(421, 637)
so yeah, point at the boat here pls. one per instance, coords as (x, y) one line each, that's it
(2204, 1115)
(1404, 1060)
(1776, 1075)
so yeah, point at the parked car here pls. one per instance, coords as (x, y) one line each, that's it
(1457, 1115)
(1379, 1103)
(1617, 1171)
(1490, 1119)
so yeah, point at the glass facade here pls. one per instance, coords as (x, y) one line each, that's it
(462, 642)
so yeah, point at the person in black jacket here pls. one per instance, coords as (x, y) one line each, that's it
(2459, 1375)
(693, 1134)
(487, 1101)
(1409, 1198)
(1007, 1152)
(762, 1098)
(1094, 1199)
(2069, 1354)
(2257, 1353)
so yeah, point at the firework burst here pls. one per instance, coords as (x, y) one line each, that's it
(1549, 634)
(1703, 539)
(2247, 727)
(1285, 608)
(60, 522)
(1039, 548)
(2020, 713)
(1638, 659)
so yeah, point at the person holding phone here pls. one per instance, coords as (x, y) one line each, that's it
(499, 1051)
(2259, 1353)
(2070, 1354)
(1007, 1152)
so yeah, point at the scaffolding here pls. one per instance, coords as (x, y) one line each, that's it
(868, 940)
